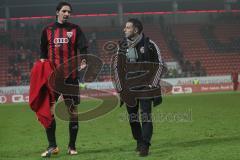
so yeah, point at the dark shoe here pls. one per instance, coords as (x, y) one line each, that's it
(144, 151)
(138, 147)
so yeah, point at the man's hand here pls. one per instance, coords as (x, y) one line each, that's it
(42, 60)
(83, 64)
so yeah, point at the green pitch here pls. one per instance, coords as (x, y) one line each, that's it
(186, 127)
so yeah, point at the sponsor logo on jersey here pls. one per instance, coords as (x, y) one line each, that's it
(60, 40)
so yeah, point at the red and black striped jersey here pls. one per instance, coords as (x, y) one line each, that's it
(60, 42)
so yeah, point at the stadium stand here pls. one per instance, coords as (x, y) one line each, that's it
(217, 53)
(200, 49)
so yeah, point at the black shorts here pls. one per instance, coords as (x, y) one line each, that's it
(74, 95)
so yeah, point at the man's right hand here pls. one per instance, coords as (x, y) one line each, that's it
(42, 60)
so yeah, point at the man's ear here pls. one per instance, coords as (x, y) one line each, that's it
(57, 13)
(135, 30)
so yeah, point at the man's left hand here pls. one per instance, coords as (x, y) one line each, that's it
(83, 64)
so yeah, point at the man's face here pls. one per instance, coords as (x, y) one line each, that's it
(129, 30)
(63, 14)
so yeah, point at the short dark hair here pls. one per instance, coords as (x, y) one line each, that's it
(61, 4)
(136, 23)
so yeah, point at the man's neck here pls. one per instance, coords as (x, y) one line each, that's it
(59, 21)
(135, 40)
(134, 37)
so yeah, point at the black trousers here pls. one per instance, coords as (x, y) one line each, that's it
(141, 131)
(74, 98)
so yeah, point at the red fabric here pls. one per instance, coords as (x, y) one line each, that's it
(40, 96)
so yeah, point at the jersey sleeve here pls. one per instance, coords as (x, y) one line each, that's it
(82, 44)
(44, 45)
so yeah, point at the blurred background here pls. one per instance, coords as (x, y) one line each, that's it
(197, 38)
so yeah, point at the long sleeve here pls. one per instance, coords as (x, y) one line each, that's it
(82, 44)
(116, 79)
(117, 66)
(44, 45)
(156, 57)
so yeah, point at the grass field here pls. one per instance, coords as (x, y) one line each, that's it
(190, 127)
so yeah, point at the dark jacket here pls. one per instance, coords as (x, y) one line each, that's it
(147, 51)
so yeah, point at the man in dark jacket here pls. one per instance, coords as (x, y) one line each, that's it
(138, 49)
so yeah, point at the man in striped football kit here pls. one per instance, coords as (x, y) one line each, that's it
(59, 43)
